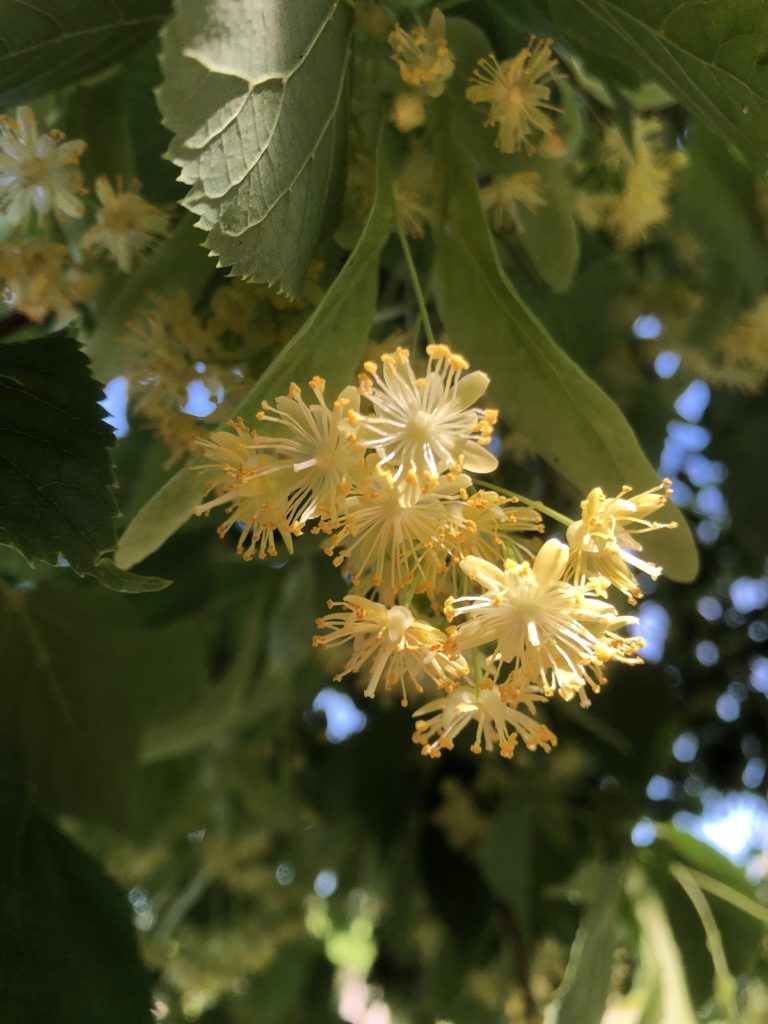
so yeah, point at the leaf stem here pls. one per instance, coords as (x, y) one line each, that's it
(538, 505)
(415, 283)
(725, 985)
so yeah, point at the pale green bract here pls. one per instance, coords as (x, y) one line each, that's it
(255, 94)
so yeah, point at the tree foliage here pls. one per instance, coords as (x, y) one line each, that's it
(204, 816)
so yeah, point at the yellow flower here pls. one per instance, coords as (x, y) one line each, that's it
(252, 487)
(412, 191)
(497, 714)
(37, 172)
(372, 18)
(551, 632)
(602, 542)
(397, 648)
(280, 482)
(408, 111)
(517, 92)
(505, 195)
(310, 445)
(423, 56)
(125, 225)
(239, 308)
(38, 282)
(426, 425)
(648, 168)
(739, 359)
(490, 528)
(394, 533)
(170, 330)
(174, 350)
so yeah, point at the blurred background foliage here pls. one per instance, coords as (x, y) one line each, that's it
(195, 819)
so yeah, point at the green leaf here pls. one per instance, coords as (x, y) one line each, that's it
(280, 991)
(708, 54)
(660, 952)
(729, 894)
(725, 983)
(329, 343)
(551, 234)
(97, 113)
(505, 856)
(65, 700)
(574, 425)
(702, 857)
(255, 95)
(715, 201)
(56, 481)
(80, 674)
(49, 45)
(67, 948)
(583, 994)
(204, 713)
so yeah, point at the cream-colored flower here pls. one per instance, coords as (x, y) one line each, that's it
(603, 542)
(648, 169)
(426, 425)
(170, 328)
(38, 281)
(125, 224)
(500, 714)
(556, 634)
(492, 527)
(408, 111)
(323, 459)
(239, 308)
(395, 534)
(397, 648)
(517, 92)
(412, 192)
(423, 56)
(37, 172)
(254, 491)
(278, 483)
(739, 358)
(505, 195)
(173, 351)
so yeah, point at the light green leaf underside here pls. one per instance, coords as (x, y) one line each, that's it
(572, 423)
(660, 952)
(54, 43)
(708, 54)
(550, 234)
(583, 994)
(330, 344)
(255, 94)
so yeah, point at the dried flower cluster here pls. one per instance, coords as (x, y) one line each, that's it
(453, 598)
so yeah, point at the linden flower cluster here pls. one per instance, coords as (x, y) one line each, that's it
(453, 599)
(739, 358)
(425, 62)
(648, 170)
(517, 92)
(505, 195)
(40, 179)
(38, 172)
